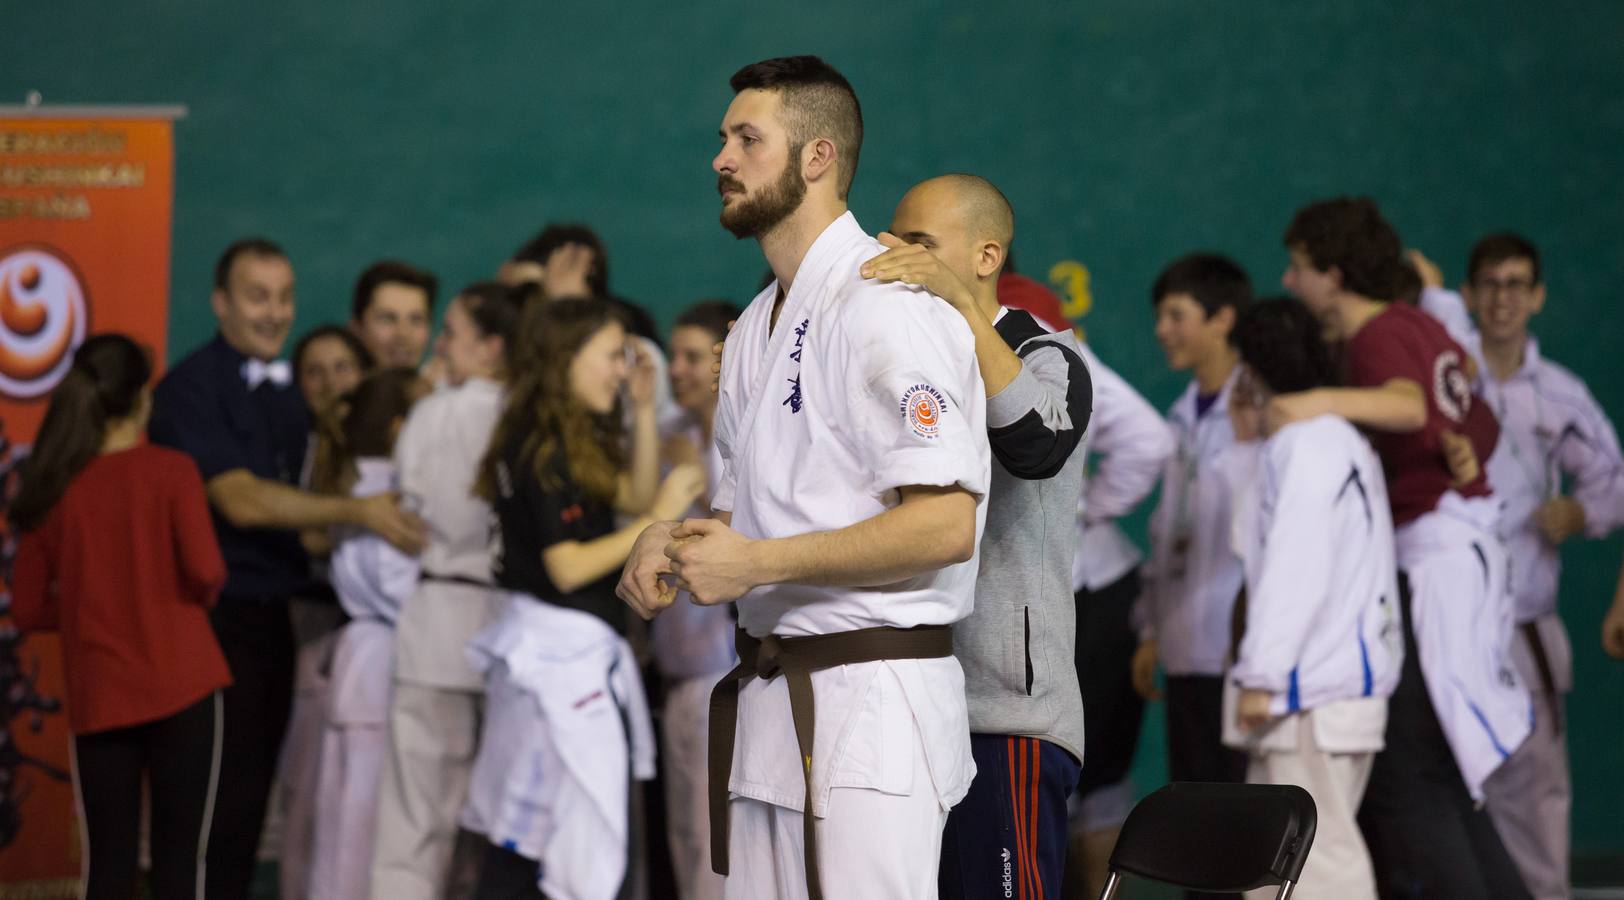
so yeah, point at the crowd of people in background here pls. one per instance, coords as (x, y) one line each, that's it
(371, 589)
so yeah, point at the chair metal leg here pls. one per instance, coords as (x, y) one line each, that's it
(1113, 881)
(1285, 891)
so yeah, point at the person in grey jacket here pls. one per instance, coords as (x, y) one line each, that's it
(1008, 836)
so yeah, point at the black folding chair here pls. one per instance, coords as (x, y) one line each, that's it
(1217, 837)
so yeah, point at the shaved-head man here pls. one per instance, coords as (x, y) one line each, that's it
(1007, 838)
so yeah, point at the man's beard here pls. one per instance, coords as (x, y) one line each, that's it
(750, 217)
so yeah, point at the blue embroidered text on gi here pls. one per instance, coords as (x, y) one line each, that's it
(800, 335)
(794, 401)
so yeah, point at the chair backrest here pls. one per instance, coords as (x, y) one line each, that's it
(1218, 837)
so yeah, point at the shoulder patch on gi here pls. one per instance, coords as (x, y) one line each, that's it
(922, 406)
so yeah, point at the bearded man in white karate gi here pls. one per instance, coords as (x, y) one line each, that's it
(851, 424)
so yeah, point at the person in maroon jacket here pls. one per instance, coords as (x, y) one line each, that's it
(1459, 710)
(119, 555)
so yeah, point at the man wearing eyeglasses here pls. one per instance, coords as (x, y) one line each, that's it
(1551, 431)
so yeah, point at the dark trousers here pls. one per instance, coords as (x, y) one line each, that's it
(257, 638)
(178, 755)
(1195, 746)
(1007, 837)
(1112, 709)
(1426, 839)
(506, 875)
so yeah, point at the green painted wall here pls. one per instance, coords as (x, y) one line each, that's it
(1124, 132)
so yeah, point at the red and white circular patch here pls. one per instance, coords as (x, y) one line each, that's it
(922, 406)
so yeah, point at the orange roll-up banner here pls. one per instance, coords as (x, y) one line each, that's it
(85, 202)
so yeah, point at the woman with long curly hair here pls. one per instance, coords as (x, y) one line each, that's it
(567, 725)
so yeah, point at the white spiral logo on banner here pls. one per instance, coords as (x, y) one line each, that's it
(43, 315)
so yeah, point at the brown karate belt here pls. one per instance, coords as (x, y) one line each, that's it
(796, 658)
(1547, 675)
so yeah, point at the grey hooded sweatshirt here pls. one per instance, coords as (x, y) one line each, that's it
(1017, 647)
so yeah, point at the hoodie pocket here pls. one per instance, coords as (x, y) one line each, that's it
(1026, 645)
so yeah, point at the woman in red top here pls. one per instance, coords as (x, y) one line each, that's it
(118, 554)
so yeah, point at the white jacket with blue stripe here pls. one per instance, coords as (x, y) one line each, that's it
(1316, 536)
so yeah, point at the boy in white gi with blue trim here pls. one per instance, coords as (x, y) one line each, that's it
(1306, 695)
(852, 428)
(1459, 710)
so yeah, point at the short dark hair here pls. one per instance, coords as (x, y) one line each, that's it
(1281, 341)
(363, 358)
(817, 101)
(711, 315)
(634, 318)
(1407, 284)
(1350, 234)
(555, 235)
(1213, 280)
(390, 271)
(498, 311)
(248, 246)
(1499, 247)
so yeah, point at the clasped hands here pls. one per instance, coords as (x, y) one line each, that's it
(704, 557)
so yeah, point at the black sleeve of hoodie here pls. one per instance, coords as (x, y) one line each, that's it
(1057, 393)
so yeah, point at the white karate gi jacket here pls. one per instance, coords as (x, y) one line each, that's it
(372, 580)
(1132, 444)
(438, 454)
(1322, 602)
(1190, 593)
(862, 389)
(567, 729)
(1552, 431)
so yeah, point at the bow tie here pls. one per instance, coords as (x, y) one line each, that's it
(257, 371)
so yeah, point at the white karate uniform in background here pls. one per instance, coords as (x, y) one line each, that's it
(1463, 632)
(1552, 431)
(861, 389)
(1193, 573)
(668, 414)
(1130, 444)
(567, 730)
(315, 628)
(1133, 444)
(291, 820)
(693, 649)
(372, 580)
(1322, 634)
(438, 699)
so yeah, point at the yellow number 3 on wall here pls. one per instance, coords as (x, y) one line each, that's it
(1070, 280)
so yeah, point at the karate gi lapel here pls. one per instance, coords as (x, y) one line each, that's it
(813, 283)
